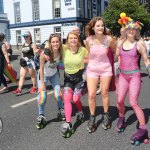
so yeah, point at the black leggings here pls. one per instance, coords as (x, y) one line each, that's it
(2, 78)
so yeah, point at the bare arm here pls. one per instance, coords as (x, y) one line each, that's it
(35, 49)
(112, 43)
(119, 44)
(143, 51)
(4, 50)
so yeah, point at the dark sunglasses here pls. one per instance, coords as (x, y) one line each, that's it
(25, 36)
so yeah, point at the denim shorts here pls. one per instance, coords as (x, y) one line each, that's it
(31, 64)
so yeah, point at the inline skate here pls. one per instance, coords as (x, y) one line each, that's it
(139, 137)
(106, 121)
(61, 115)
(41, 122)
(121, 124)
(67, 130)
(92, 126)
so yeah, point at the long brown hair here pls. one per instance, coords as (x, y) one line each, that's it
(89, 27)
(30, 35)
(76, 34)
(50, 46)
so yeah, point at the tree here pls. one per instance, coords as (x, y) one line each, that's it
(132, 8)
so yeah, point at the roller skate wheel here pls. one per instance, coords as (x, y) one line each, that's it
(137, 143)
(108, 126)
(68, 135)
(104, 127)
(72, 131)
(37, 127)
(132, 142)
(146, 141)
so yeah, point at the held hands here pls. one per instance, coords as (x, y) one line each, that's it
(9, 65)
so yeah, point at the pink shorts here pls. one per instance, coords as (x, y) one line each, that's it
(98, 73)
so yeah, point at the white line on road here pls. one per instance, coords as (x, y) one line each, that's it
(28, 101)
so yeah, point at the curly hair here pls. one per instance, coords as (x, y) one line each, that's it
(89, 27)
(50, 46)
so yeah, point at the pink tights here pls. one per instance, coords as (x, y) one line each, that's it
(70, 95)
(131, 83)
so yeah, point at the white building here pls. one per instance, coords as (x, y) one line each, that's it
(3, 21)
(43, 17)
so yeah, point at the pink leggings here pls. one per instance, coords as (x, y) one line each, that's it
(131, 83)
(70, 95)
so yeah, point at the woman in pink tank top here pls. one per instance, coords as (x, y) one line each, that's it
(99, 67)
(129, 79)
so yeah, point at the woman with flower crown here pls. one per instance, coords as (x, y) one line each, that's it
(129, 50)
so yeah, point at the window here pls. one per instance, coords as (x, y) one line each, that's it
(37, 35)
(17, 12)
(35, 10)
(18, 37)
(98, 8)
(57, 30)
(81, 8)
(56, 8)
(1, 6)
(89, 9)
(105, 4)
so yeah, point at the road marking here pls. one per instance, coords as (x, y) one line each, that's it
(28, 101)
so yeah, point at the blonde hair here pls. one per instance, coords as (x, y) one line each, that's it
(76, 34)
(137, 36)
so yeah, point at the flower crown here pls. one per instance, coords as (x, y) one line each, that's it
(127, 22)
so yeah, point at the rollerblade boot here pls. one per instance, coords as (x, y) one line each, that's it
(67, 130)
(106, 123)
(91, 127)
(40, 122)
(121, 124)
(61, 115)
(80, 117)
(139, 137)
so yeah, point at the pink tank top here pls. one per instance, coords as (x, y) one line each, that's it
(129, 59)
(98, 59)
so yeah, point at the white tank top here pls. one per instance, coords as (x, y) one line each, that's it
(51, 68)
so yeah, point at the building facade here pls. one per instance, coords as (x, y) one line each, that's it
(3, 21)
(43, 17)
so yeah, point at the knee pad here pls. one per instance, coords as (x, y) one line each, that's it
(42, 96)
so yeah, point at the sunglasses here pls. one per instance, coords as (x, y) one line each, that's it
(25, 36)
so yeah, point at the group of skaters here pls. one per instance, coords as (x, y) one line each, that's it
(88, 66)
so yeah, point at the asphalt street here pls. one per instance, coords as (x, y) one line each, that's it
(19, 115)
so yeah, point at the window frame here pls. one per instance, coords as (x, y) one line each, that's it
(59, 9)
(35, 10)
(17, 13)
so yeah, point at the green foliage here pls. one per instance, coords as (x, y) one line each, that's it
(132, 8)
